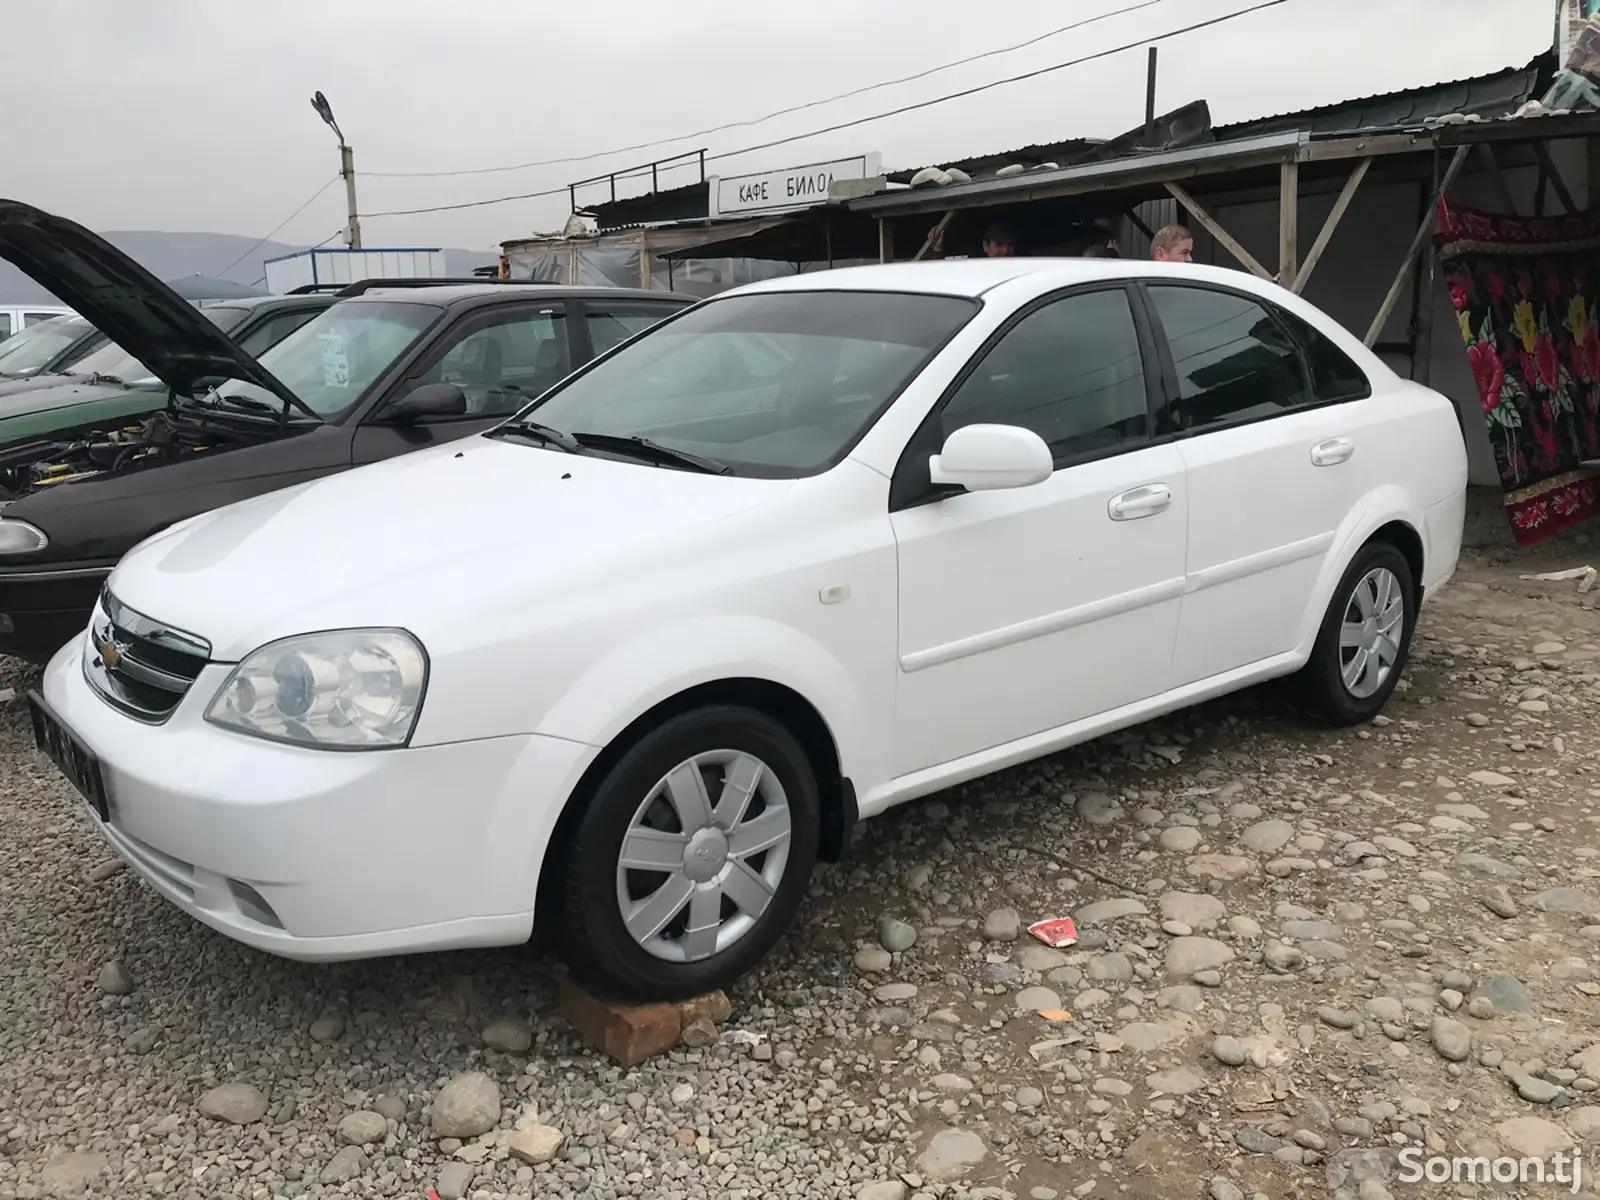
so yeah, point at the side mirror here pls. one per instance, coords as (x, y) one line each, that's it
(428, 400)
(986, 458)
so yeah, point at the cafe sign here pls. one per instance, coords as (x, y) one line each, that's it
(788, 189)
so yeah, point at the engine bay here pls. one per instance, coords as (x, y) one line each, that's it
(159, 439)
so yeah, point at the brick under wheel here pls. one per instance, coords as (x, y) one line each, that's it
(691, 857)
(1365, 638)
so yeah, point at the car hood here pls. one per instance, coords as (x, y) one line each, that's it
(435, 541)
(60, 395)
(125, 302)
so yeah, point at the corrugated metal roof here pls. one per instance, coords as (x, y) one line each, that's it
(1495, 95)
(1040, 152)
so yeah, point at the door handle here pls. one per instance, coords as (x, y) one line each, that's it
(1332, 452)
(1139, 502)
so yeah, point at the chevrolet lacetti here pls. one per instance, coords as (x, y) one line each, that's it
(635, 659)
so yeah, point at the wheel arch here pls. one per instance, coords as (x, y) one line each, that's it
(836, 792)
(1387, 514)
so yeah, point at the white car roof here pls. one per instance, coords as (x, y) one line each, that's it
(974, 276)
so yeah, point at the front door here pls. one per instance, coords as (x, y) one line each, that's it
(1025, 610)
(501, 359)
(1274, 467)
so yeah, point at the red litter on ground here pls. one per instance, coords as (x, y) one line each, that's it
(1057, 932)
(432, 1195)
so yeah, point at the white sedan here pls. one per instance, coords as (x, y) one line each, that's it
(636, 659)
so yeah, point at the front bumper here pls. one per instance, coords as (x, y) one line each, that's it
(43, 608)
(324, 855)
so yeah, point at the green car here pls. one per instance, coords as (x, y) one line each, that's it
(42, 353)
(110, 385)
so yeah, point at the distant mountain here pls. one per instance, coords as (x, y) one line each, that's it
(169, 255)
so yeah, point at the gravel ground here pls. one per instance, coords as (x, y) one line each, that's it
(1301, 952)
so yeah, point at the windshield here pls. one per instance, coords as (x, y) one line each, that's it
(776, 385)
(112, 361)
(331, 360)
(35, 346)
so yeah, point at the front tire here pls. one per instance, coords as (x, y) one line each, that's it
(692, 856)
(1365, 639)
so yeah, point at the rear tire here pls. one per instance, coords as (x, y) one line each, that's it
(1365, 638)
(717, 811)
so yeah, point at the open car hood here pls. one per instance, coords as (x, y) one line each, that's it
(128, 304)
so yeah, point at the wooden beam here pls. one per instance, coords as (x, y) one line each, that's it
(1139, 224)
(1548, 165)
(885, 240)
(1508, 202)
(1288, 223)
(1331, 225)
(1457, 161)
(1224, 238)
(934, 236)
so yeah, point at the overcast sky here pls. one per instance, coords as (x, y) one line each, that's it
(188, 115)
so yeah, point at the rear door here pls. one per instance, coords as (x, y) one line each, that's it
(501, 358)
(1274, 466)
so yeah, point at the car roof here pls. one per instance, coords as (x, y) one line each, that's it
(250, 303)
(973, 277)
(450, 295)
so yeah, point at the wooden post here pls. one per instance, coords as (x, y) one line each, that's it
(934, 235)
(1501, 186)
(1560, 184)
(1417, 242)
(1224, 238)
(885, 240)
(1325, 235)
(1150, 97)
(1288, 223)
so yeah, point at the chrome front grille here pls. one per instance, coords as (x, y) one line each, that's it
(138, 664)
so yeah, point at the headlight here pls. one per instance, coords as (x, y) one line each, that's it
(351, 689)
(19, 537)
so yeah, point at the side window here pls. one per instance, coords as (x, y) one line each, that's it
(1333, 376)
(1070, 371)
(33, 318)
(608, 329)
(505, 363)
(273, 331)
(1234, 362)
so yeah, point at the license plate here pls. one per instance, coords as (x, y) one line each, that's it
(76, 761)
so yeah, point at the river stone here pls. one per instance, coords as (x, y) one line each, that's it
(363, 1128)
(1563, 900)
(1451, 1039)
(1226, 868)
(1267, 837)
(1186, 955)
(235, 1103)
(1506, 992)
(510, 1034)
(466, 1107)
(951, 1153)
(1180, 839)
(1179, 1081)
(72, 1174)
(1102, 911)
(1035, 999)
(1533, 1137)
(1194, 909)
(536, 1144)
(344, 1166)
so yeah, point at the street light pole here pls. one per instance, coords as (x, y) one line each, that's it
(347, 171)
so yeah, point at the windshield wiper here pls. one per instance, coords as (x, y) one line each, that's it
(644, 448)
(536, 432)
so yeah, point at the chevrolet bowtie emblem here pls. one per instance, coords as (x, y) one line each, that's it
(110, 654)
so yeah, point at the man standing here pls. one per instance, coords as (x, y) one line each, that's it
(998, 241)
(1172, 243)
